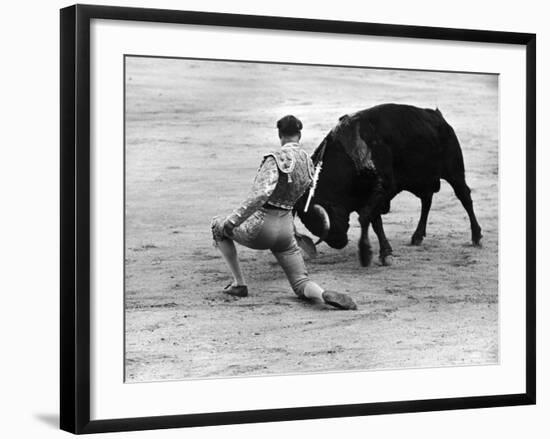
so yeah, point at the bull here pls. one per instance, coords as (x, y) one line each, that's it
(371, 156)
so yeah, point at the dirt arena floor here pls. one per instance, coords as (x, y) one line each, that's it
(195, 133)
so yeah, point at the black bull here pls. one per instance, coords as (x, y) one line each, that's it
(371, 156)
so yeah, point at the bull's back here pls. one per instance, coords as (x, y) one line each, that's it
(420, 144)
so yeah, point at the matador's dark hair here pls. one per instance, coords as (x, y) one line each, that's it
(289, 125)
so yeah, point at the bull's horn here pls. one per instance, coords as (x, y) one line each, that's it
(322, 213)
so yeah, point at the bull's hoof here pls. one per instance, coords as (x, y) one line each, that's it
(417, 239)
(365, 256)
(387, 260)
(476, 237)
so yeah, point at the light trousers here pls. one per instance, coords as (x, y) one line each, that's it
(273, 229)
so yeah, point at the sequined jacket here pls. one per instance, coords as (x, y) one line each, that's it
(282, 178)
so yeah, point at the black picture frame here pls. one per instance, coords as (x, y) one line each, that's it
(75, 217)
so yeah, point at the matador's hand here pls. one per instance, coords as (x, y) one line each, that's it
(228, 227)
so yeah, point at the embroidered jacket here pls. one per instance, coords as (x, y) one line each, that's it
(282, 179)
(295, 175)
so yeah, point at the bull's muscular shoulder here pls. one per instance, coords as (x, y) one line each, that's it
(348, 133)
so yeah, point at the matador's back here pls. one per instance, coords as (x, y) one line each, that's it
(295, 175)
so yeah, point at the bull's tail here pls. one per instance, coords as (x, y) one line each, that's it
(453, 160)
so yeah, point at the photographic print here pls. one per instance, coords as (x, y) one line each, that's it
(294, 219)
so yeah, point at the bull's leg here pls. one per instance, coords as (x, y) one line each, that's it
(365, 251)
(420, 231)
(462, 191)
(368, 214)
(386, 251)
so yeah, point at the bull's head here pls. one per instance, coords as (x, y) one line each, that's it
(328, 213)
(329, 223)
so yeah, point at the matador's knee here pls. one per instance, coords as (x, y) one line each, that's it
(216, 226)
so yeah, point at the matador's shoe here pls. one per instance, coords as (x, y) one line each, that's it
(338, 300)
(236, 290)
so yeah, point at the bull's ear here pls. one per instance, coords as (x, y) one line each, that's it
(357, 149)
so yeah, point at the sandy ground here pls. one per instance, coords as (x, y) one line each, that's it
(195, 132)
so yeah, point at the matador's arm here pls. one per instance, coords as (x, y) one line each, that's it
(264, 185)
